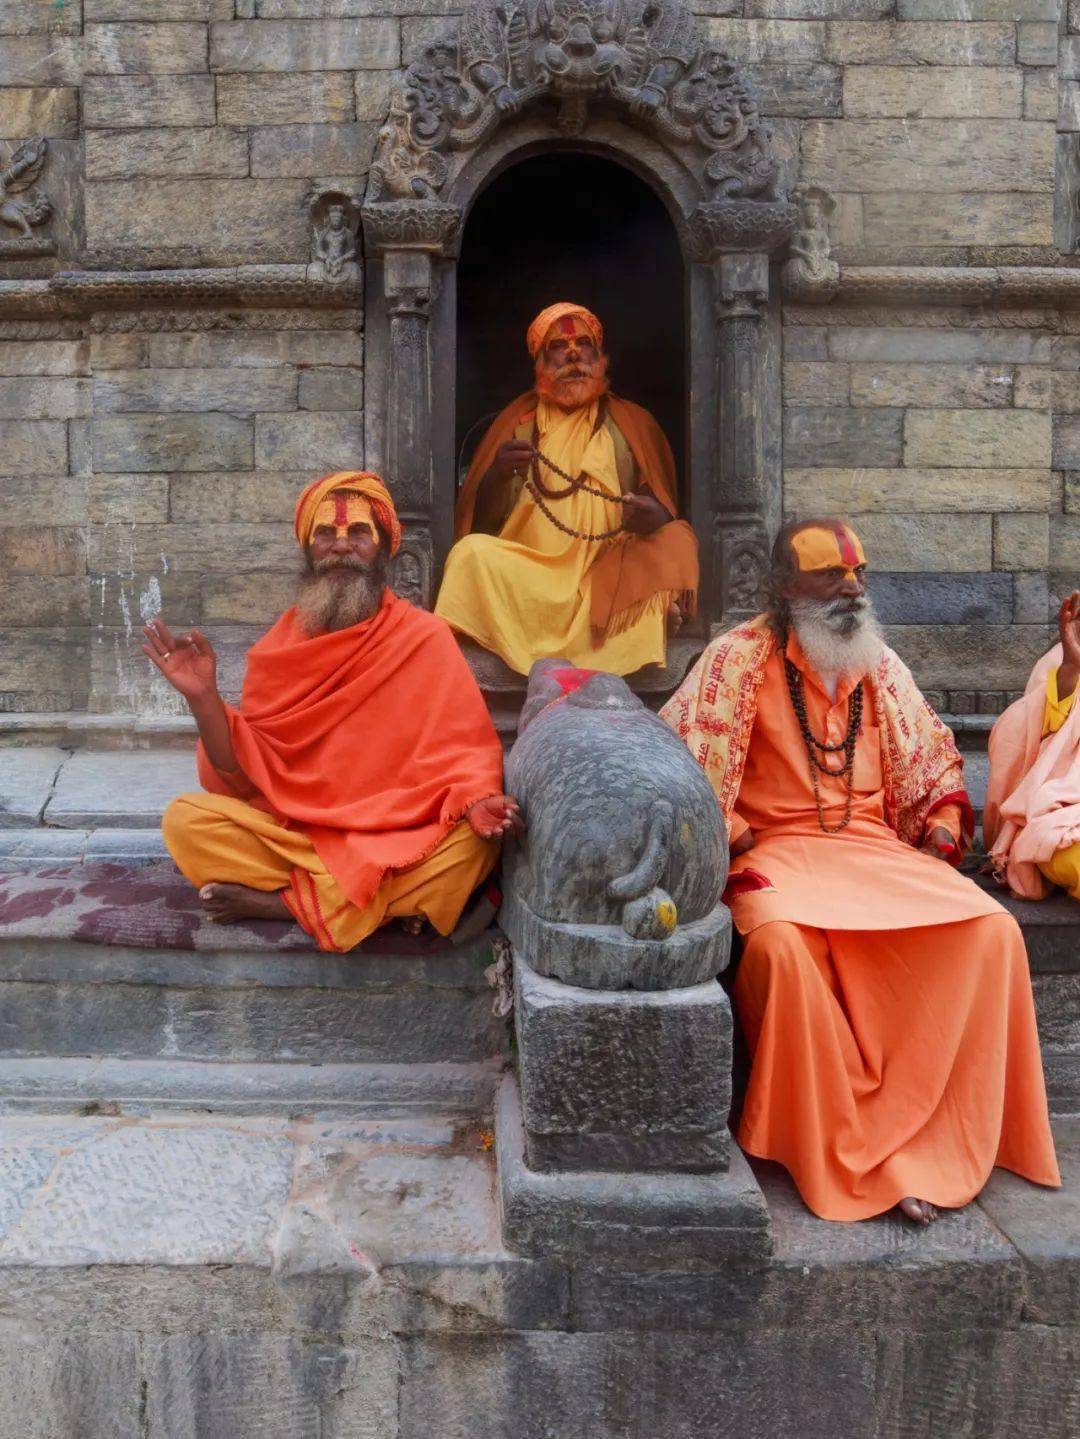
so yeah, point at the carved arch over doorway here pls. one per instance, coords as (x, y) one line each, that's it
(636, 82)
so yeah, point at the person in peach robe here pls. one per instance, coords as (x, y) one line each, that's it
(1032, 821)
(885, 998)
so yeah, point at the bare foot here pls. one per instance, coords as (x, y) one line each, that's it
(413, 924)
(674, 618)
(919, 1211)
(227, 903)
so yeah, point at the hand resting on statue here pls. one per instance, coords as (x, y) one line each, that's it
(495, 816)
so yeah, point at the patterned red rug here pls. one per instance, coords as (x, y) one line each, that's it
(153, 907)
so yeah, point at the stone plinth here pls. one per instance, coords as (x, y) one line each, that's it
(628, 1080)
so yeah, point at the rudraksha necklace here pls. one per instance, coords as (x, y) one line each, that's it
(540, 492)
(813, 744)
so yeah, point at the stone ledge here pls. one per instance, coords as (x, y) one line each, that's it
(947, 285)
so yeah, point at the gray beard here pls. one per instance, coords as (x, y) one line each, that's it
(837, 640)
(335, 596)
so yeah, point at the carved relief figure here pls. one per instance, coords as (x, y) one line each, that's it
(811, 268)
(22, 206)
(335, 219)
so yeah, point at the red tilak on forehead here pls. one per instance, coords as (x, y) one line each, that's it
(847, 549)
(341, 509)
(566, 325)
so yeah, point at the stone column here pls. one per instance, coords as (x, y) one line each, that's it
(408, 238)
(744, 505)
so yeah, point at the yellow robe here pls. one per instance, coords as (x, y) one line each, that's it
(524, 593)
(1064, 867)
(215, 838)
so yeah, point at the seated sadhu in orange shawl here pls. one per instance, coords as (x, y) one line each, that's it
(585, 560)
(885, 998)
(360, 778)
(1032, 821)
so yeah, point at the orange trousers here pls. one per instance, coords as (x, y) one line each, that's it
(215, 838)
(891, 1064)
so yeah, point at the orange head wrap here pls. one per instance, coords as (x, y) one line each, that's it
(538, 331)
(364, 483)
(827, 546)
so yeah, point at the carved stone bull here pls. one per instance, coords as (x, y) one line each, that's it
(619, 879)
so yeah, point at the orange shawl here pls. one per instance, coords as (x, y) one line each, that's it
(713, 711)
(634, 568)
(374, 740)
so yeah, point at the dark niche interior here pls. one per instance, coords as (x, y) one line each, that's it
(566, 226)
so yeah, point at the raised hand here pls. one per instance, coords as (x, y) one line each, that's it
(495, 816)
(512, 457)
(188, 662)
(1069, 633)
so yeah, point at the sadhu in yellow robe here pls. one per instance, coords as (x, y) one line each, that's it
(525, 589)
(885, 998)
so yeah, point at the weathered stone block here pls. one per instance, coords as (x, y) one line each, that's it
(40, 550)
(975, 656)
(292, 45)
(33, 447)
(257, 348)
(119, 154)
(43, 398)
(117, 352)
(220, 218)
(77, 1381)
(1040, 95)
(172, 391)
(977, 9)
(1066, 429)
(43, 669)
(37, 17)
(33, 60)
(819, 9)
(1031, 599)
(137, 49)
(806, 342)
(1069, 106)
(1032, 387)
(940, 90)
(156, 10)
(759, 41)
(131, 101)
(1021, 542)
(372, 91)
(904, 491)
(891, 155)
(258, 495)
(39, 110)
(794, 89)
(302, 99)
(929, 385)
(44, 601)
(624, 1080)
(129, 499)
(211, 549)
(814, 383)
(254, 599)
(965, 219)
(172, 442)
(976, 438)
(312, 149)
(914, 543)
(920, 345)
(335, 440)
(934, 598)
(890, 42)
(1037, 42)
(43, 357)
(842, 437)
(29, 502)
(331, 389)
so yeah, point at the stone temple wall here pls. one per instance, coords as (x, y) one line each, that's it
(151, 455)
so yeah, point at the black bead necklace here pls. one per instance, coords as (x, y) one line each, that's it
(813, 744)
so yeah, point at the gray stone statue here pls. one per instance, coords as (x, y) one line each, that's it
(811, 273)
(619, 879)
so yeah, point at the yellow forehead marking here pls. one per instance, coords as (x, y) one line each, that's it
(819, 549)
(561, 331)
(340, 510)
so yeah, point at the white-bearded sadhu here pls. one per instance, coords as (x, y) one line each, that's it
(582, 558)
(885, 998)
(360, 778)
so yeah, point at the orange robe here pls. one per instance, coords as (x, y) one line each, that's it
(371, 743)
(885, 998)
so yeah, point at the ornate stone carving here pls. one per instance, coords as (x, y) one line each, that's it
(644, 58)
(23, 206)
(411, 578)
(412, 225)
(335, 219)
(811, 273)
(740, 225)
(744, 559)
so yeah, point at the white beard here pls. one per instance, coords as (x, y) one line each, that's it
(839, 641)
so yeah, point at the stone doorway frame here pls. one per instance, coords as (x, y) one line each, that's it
(633, 82)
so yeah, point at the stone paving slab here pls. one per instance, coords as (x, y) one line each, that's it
(122, 790)
(26, 782)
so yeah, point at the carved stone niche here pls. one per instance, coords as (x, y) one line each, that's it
(23, 207)
(335, 243)
(633, 81)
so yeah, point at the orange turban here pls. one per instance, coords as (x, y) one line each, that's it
(364, 483)
(538, 330)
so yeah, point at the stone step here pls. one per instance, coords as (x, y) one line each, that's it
(150, 1086)
(241, 1278)
(63, 998)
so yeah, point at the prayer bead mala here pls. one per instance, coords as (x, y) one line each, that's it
(536, 488)
(847, 744)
